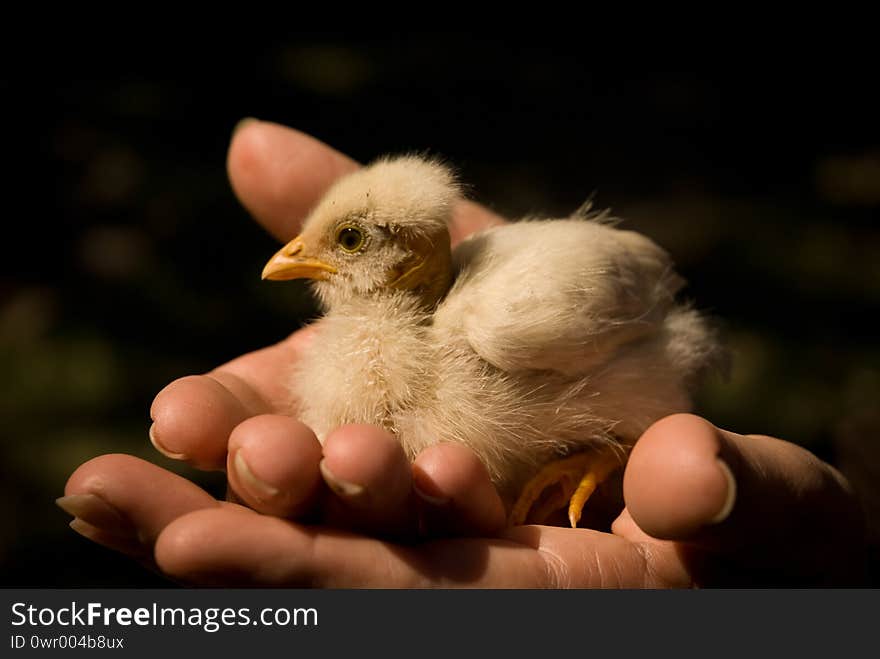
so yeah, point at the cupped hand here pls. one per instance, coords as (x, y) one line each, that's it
(704, 506)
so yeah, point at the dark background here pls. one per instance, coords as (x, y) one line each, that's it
(128, 262)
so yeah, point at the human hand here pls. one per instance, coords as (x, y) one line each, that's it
(237, 415)
(790, 518)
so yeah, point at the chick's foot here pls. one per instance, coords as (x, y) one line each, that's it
(573, 479)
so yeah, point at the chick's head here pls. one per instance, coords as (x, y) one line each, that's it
(381, 229)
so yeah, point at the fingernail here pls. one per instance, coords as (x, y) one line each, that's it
(259, 489)
(428, 498)
(339, 486)
(724, 513)
(242, 123)
(92, 509)
(85, 529)
(164, 451)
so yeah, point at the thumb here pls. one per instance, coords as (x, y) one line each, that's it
(756, 508)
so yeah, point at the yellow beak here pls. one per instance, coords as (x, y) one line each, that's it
(293, 262)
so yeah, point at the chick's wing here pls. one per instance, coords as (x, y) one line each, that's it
(559, 295)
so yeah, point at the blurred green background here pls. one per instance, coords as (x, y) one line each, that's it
(130, 263)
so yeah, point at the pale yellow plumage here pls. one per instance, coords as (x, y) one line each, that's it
(555, 336)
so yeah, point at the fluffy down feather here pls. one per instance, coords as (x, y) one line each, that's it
(555, 336)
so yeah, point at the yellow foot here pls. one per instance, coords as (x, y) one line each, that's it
(577, 477)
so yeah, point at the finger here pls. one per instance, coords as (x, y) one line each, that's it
(124, 502)
(194, 416)
(469, 218)
(456, 495)
(222, 548)
(370, 478)
(279, 173)
(759, 501)
(273, 465)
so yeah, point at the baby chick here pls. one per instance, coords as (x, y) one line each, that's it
(547, 347)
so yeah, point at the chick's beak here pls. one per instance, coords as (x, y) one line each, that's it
(294, 262)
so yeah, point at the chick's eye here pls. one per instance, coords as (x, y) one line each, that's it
(351, 239)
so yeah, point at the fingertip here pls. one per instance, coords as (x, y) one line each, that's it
(207, 547)
(676, 483)
(469, 218)
(245, 148)
(179, 550)
(124, 495)
(229, 546)
(96, 476)
(273, 464)
(448, 470)
(370, 477)
(193, 418)
(279, 172)
(456, 491)
(369, 457)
